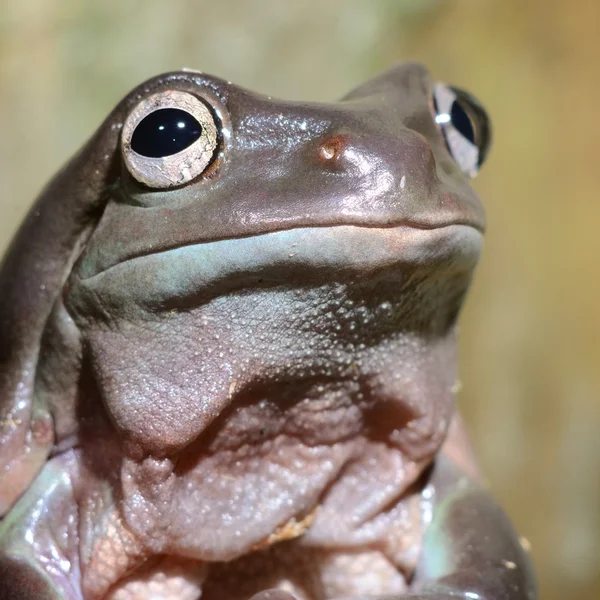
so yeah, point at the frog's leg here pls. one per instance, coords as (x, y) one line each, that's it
(39, 557)
(470, 550)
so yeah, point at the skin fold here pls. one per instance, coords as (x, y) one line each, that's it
(242, 385)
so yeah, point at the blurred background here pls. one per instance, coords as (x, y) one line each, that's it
(530, 337)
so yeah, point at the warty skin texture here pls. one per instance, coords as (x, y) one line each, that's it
(246, 382)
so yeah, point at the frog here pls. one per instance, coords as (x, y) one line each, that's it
(228, 354)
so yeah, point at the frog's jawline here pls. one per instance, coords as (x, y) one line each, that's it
(345, 250)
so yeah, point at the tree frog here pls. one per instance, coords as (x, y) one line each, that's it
(228, 354)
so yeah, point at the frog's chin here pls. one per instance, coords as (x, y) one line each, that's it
(197, 273)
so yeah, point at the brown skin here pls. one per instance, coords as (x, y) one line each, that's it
(245, 382)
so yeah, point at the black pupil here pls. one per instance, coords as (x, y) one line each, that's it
(461, 121)
(165, 132)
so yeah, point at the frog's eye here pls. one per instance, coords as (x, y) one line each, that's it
(169, 139)
(464, 125)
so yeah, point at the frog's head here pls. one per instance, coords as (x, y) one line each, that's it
(226, 249)
(205, 161)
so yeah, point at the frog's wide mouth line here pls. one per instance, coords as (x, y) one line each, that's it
(346, 249)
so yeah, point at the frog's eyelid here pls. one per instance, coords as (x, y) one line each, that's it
(172, 168)
(464, 125)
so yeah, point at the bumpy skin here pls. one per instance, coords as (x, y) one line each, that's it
(244, 385)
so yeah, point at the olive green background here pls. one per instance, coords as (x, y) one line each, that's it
(531, 330)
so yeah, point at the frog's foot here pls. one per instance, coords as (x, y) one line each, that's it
(39, 554)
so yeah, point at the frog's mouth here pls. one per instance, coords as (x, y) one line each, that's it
(110, 245)
(300, 256)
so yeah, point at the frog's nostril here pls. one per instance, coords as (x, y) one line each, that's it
(327, 152)
(332, 147)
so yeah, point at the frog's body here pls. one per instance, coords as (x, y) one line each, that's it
(233, 369)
